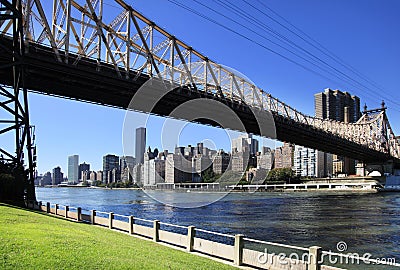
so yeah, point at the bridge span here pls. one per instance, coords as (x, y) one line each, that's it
(81, 54)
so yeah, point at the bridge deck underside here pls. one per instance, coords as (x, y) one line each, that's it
(44, 74)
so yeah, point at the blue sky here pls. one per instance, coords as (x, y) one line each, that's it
(363, 34)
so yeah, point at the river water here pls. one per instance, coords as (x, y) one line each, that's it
(366, 222)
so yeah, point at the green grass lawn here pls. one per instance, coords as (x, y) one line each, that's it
(32, 240)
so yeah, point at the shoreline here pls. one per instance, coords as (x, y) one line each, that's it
(241, 190)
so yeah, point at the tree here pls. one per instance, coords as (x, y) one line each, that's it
(281, 175)
(208, 175)
(13, 182)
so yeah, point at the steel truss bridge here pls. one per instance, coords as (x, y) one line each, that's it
(80, 49)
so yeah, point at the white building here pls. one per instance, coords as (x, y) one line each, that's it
(245, 143)
(153, 171)
(73, 169)
(137, 174)
(312, 163)
(178, 169)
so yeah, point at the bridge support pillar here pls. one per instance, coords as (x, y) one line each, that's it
(14, 103)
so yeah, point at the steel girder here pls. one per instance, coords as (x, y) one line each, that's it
(14, 98)
(78, 30)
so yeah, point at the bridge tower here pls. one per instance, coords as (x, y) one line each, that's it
(14, 99)
(379, 123)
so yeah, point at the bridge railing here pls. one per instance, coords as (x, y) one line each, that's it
(128, 41)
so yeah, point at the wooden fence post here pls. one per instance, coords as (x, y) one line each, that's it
(131, 224)
(156, 227)
(190, 238)
(110, 220)
(314, 258)
(78, 214)
(92, 215)
(238, 250)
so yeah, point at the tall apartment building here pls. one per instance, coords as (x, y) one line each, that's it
(99, 176)
(221, 162)
(178, 169)
(93, 176)
(245, 143)
(200, 163)
(83, 167)
(244, 151)
(312, 163)
(126, 165)
(140, 146)
(57, 176)
(110, 163)
(241, 160)
(154, 171)
(153, 167)
(46, 179)
(330, 104)
(284, 156)
(73, 169)
(265, 159)
(265, 162)
(137, 174)
(339, 106)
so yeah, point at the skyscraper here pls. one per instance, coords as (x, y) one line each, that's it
(73, 162)
(331, 104)
(245, 143)
(284, 156)
(84, 167)
(140, 145)
(57, 176)
(110, 162)
(339, 106)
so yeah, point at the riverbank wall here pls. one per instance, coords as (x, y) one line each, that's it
(235, 249)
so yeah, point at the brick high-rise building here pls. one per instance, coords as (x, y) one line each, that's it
(284, 156)
(339, 106)
(221, 162)
(331, 104)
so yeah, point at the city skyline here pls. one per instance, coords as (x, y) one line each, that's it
(95, 141)
(89, 163)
